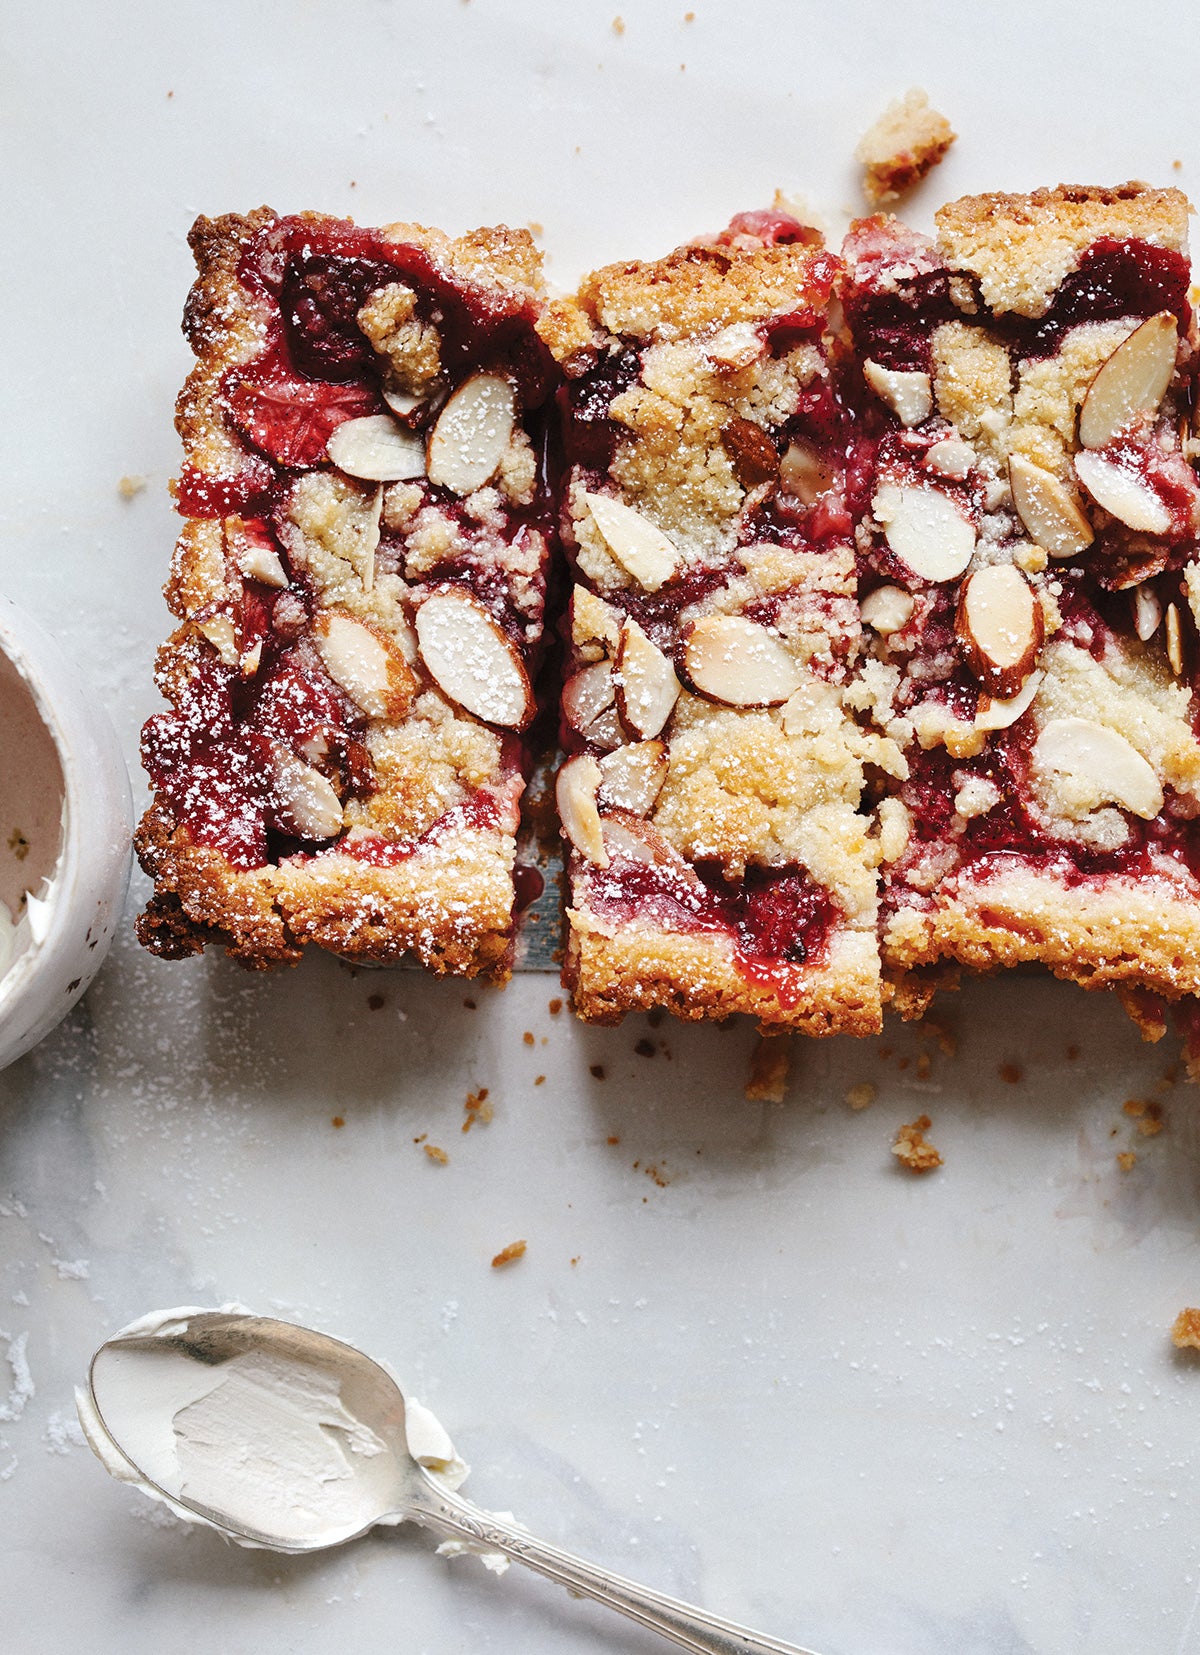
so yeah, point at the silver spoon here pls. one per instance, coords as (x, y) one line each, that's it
(281, 1437)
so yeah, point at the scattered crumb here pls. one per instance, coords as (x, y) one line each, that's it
(906, 142)
(575, 1260)
(1186, 1329)
(596, 1071)
(1151, 1123)
(861, 1096)
(554, 1007)
(338, 1121)
(646, 1048)
(945, 1036)
(924, 1065)
(539, 1080)
(535, 228)
(1177, 166)
(769, 1065)
(375, 1002)
(1072, 1054)
(912, 1148)
(614, 1138)
(527, 1037)
(1127, 1160)
(436, 1154)
(420, 1137)
(885, 1051)
(478, 1109)
(129, 487)
(689, 17)
(903, 1064)
(1010, 1073)
(1134, 1107)
(618, 25)
(470, 1005)
(18, 844)
(506, 1255)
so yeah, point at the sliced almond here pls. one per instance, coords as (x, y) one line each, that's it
(887, 609)
(804, 474)
(222, 635)
(471, 434)
(926, 530)
(735, 346)
(739, 663)
(1174, 640)
(992, 714)
(641, 548)
(1147, 612)
(1131, 382)
(606, 732)
(253, 554)
(628, 838)
(908, 394)
(304, 800)
(1048, 510)
(1001, 627)
(1121, 491)
(575, 794)
(587, 694)
(951, 457)
(402, 403)
(472, 659)
(647, 688)
(1104, 766)
(365, 663)
(376, 449)
(633, 776)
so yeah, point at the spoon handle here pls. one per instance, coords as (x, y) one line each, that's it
(695, 1629)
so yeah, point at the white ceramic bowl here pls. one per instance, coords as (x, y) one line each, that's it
(65, 815)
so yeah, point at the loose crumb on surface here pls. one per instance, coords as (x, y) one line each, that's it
(913, 1149)
(770, 1063)
(861, 1096)
(470, 1005)
(338, 1121)
(527, 1037)
(905, 143)
(554, 1007)
(375, 1002)
(618, 25)
(1151, 1123)
(596, 1070)
(1010, 1073)
(614, 1137)
(945, 1036)
(506, 1255)
(436, 1154)
(1127, 1160)
(539, 1080)
(924, 1065)
(477, 1109)
(646, 1048)
(1186, 1329)
(129, 487)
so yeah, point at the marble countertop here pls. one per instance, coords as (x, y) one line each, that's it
(746, 1356)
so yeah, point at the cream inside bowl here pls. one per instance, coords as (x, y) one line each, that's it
(65, 822)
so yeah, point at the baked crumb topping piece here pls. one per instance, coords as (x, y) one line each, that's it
(360, 585)
(1028, 564)
(905, 143)
(718, 860)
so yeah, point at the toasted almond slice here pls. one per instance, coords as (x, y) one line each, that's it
(641, 549)
(804, 475)
(587, 694)
(471, 434)
(1174, 640)
(951, 457)
(909, 395)
(305, 802)
(1109, 768)
(402, 403)
(633, 776)
(992, 714)
(887, 609)
(1048, 510)
(751, 452)
(1001, 627)
(926, 530)
(222, 635)
(376, 449)
(647, 688)
(365, 663)
(737, 662)
(1121, 491)
(472, 659)
(606, 732)
(254, 555)
(1131, 382)
(1147, 612)
(575, 794)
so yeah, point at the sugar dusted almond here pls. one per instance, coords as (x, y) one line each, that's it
(1099, 760)
(887, 609)
(633, 776)
(376, 449)
(951, 457)
(305, 803)
(1048, 510)
(804, 475)
(908, 394)
(606, 732)
(993, 714)
(628, 838)
(646, 685)
(471, 433)
(222, 635)
(738, 662)
(1000, 625)
(1121, 491)
(926, 530)
(1147, 612)
(735, 346)
(1174, 640)
(753, 454)
(253, 553)
(575, 794)
(472, 659)
(365, 663)
(1131, 382)
(586, 694)
(641, 548)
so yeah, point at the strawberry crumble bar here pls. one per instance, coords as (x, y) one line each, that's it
(360, 586)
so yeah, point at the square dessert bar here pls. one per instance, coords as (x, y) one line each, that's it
(1030, 582)
(360, 585)
(718, 861)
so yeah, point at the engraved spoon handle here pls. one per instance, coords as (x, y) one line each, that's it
(694, 1629)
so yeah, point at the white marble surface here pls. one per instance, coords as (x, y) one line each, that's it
(746, 1357)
